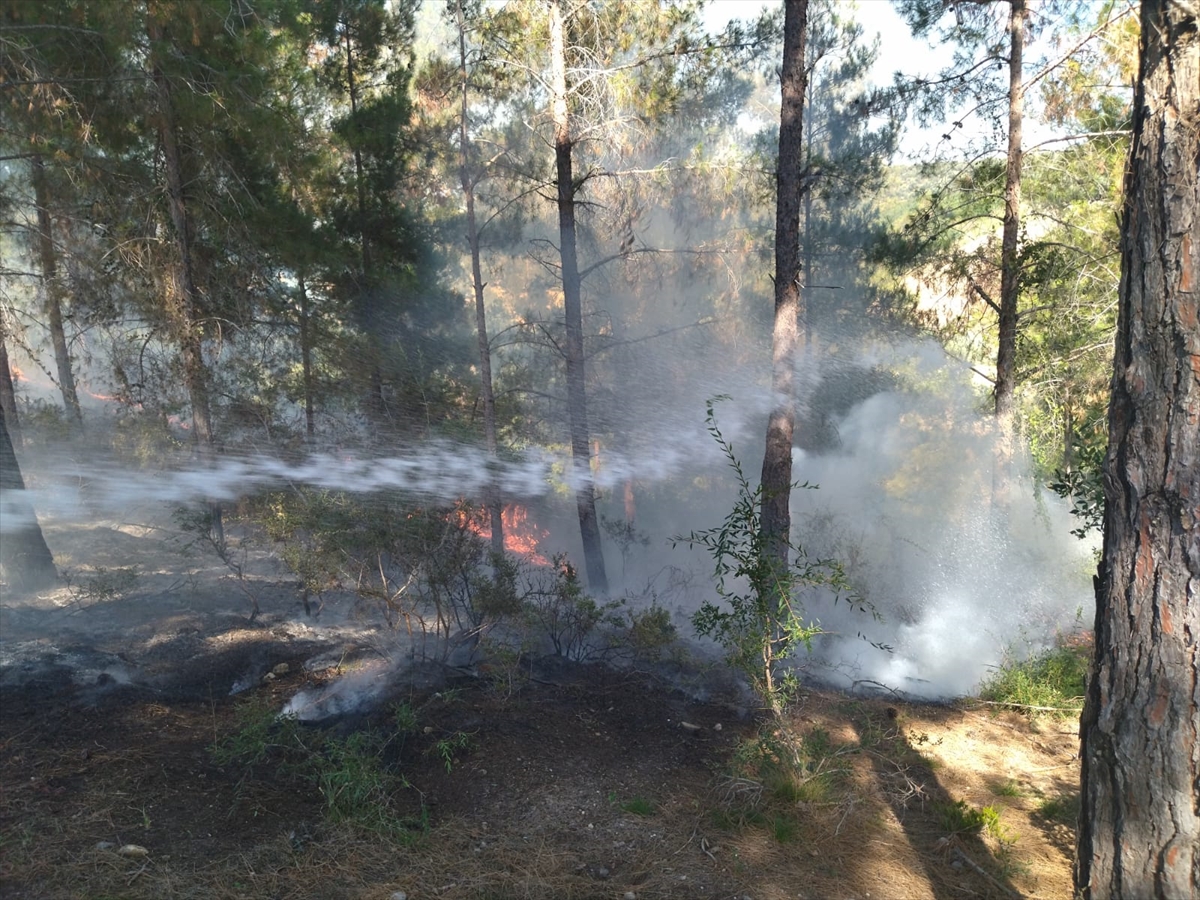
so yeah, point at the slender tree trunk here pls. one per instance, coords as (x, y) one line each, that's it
(25, 559)
(8, 393)
(375, 407)
(777, 459)
(187, 300)
(1140, 802)
(52, 286)
(306, 366)
(585, 496)
(492, 491)
(1010, 273)
(809, 425)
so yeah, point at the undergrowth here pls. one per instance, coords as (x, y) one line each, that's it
(1054, 680)
(351, 772)
(778, 777)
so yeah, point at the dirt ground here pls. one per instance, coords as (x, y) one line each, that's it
(544, 780)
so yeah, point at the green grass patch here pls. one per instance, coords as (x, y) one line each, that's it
(1006, 788)
(1055, 680)
(784, 829)
(351, 773)
(960, 818)
(640, 806)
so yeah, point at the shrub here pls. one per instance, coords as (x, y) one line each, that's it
(762, 619)
(565, 614)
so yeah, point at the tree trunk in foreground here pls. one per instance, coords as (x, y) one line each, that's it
(1139, 815)
(25, 559)
(777, 459)
(585, 496)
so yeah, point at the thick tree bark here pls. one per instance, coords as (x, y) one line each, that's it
(8, 393)
(1140, 809)
(585, 496)
(487, 394)
(25, 559)
(52, 287)
(777, 459)
(1010, 272)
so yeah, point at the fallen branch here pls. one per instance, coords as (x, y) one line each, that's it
(1070, 709)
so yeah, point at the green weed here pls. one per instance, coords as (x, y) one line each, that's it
(960, 818)
(449, 748)
(103, 584)
(1006, 788)
(259, 733)
(639, 806)
(1055, 679)
(784, 829)
(349, 772)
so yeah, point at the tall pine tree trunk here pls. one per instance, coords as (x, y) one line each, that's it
(186, 300)
(777, 459)
(1010, 273)
(487, 394)
(585, 496)
(25, 559)
(1139, 825)
(52, 287)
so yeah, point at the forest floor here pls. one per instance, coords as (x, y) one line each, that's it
(541, 779)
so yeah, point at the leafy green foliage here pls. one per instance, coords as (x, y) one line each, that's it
(762, 620)
(1083, 485)
(259, 734)
(1007, 788)
(650, 631)
(1062, 808)
(638, 806)
(792, 769)
(449, 748)
(423, 566)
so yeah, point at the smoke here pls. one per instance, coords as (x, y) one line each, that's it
(904, 466)
(960, 575)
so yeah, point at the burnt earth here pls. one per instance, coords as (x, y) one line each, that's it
(543, 780)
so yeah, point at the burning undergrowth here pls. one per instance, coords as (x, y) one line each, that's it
(895, 442)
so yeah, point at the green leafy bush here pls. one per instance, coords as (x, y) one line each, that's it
(761, 619)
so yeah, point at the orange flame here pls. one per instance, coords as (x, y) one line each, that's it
(521, 536)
